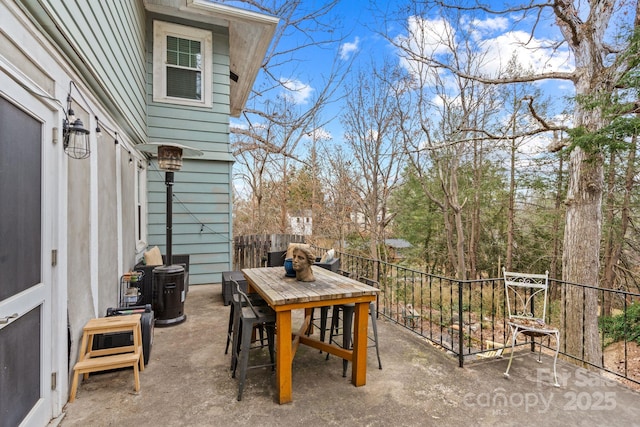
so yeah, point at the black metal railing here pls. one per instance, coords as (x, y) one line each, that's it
(466, 317)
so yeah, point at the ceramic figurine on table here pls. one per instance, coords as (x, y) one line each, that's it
(303, 258)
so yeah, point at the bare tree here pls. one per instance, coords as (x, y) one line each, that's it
(443, 136)
(374, 137)
(339, 177)
(615, 235)
(254, 212)
(274, 99)
(284, 101)
(515, 98)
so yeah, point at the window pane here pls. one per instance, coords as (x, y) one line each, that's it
(183, 52)
(183, 45)
(183, 83)
(183, 59)
(172, 58)
(195, 47)
(172, 50)
(172, 43)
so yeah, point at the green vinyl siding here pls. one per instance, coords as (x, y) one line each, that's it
(206, 129)
(202, 202)
(109, 39)
(201, 216)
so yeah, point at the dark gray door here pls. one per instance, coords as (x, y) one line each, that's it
(23, 295)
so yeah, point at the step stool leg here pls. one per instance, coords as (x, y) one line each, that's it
(324, 314)
(136, 377)
(74, 387)
(334, 325)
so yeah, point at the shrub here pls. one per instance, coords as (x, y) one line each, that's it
(624, 326)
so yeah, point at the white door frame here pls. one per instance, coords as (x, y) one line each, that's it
(48, 294)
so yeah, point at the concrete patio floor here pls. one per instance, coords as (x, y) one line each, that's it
(188, 383)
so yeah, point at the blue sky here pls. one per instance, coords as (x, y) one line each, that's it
(498, 37)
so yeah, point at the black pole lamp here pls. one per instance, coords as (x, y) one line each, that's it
(169, 279)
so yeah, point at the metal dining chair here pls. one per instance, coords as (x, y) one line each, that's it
(345, 312)
(324, 312)
(234, 314)
(251, 317)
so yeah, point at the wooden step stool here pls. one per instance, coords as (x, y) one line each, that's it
(90, 360)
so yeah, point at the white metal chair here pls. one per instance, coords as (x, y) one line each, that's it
(526, 298)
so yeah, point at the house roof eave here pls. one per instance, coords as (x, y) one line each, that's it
(250, 34)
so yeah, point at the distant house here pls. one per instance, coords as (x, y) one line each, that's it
(140, 71)
(301, 223)
(396, 248)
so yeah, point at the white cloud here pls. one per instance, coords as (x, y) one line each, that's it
(348, 48)
(297, 92)
(236, 124)
(427, 36)
(529, 51)
(438, 38)
(320, 134)
(492, 24)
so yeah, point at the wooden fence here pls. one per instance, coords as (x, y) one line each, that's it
(253, 250)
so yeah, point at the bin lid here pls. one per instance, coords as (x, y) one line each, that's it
(168, 269)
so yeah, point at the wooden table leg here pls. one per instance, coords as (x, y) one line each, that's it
(359, 368)
(283, 356)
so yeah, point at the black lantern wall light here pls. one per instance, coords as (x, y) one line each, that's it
(75, 136)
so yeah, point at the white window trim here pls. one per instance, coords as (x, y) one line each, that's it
(160, 32)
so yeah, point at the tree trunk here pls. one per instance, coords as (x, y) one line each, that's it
(617, 234)
(581, 258)
(474, 233)
(611, 237)
(508, 262)
(555, 259)
(451, 253)
(583, 225)
(461, 270)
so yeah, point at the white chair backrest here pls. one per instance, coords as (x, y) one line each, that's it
(524, 293)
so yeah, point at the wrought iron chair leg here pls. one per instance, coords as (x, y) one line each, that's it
(555, 358)
(514, 334)
(540, 349)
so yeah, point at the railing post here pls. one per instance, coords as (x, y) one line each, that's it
(461, 327)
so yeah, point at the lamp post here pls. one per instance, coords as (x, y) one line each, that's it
(169, 280)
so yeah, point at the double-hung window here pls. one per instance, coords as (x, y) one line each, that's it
(181, 64)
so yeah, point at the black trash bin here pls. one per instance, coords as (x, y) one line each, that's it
(169, 294)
